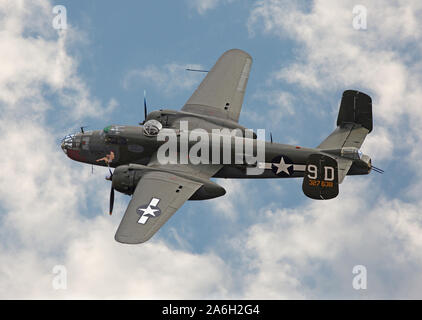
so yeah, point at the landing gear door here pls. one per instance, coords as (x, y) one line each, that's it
(321, 177)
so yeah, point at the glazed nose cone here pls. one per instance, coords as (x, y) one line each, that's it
(67, 142)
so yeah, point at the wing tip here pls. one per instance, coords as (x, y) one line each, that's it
(128, 239)
(236, 51)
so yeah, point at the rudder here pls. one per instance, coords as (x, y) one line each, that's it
(355, 107)
(354, 122)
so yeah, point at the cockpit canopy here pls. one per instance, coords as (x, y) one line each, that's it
(152, 128)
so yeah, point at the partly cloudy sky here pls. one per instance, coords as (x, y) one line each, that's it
(264, 239)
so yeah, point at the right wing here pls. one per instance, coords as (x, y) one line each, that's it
(221, 92)
(157, 196)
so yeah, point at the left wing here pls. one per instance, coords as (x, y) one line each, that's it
(157, 196)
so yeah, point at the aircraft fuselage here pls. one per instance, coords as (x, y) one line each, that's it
(130, 145)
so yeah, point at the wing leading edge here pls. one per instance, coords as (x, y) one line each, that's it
(221, 92)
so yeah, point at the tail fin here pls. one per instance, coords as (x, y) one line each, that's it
(320, 181)
(327, 169)
(354, 122)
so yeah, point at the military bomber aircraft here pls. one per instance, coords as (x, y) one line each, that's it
(159, 189)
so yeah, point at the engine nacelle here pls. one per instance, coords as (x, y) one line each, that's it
(125, 179)
(209, 190)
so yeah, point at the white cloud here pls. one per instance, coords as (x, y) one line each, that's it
(35, 63)
(235, 196)
(281, 106)
(152, 272)
(379, 145)
(203, 6)
(169, 78)
(99, 267)
(313, 249)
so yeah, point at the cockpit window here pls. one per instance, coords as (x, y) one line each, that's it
(152, 127)
(115, 140)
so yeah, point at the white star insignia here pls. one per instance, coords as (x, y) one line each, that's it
(282, 166)
(149, 211)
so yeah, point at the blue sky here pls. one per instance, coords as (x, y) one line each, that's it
(264, 239)
(135, 35)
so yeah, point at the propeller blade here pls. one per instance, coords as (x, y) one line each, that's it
(110, 178)
(145, 106)
(111, 199)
